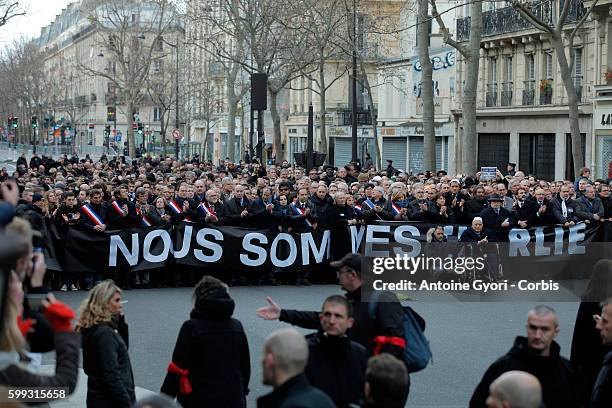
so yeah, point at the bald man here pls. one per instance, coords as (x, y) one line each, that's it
(538, 354)
(285, 355)
(515, 389)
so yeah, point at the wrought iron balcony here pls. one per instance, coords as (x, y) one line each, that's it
(491, 95)
(344, 116)
(528, 93)
(509, 20)
(506, 94)
(81, 100)
(546, 91)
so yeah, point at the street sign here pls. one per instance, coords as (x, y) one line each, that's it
(176, 134)
(118, 138)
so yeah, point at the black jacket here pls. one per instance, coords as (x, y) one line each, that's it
(214, 348)
(336, 365)
(116, 221)
(295, 393)
(232, 208)
(469, 235)
(389, 321)
(602, 391)
(106, 362)
(588, 351)
(86, 222)
(562, 383)
(322, 209)
(557, 210)
(472, 208)
(493, 222)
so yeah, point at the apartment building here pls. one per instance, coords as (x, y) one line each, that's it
(401, 106)
(81, 100)
(522, 113)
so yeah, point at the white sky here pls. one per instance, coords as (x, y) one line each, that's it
(39, 13)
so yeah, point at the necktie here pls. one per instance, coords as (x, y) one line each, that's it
(563, 208)
(497, 211)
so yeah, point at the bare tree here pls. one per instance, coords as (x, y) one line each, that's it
(471, 55)
(429, 131)
(127, 34)
(161, 89)
(559, 35)
(10, 9)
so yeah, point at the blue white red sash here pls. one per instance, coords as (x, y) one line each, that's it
(299, 211)
(396, 208)
(369, 203)
(206, 210)
(144, 220)
(89, 211)
(358, 208)
(176, 209)
(118, 208)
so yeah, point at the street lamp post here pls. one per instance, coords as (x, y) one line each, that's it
(177, 122)
(354, 88)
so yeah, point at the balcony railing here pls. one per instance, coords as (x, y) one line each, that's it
(491, 95)
(528, 93)
(509, 20)
(112, 99)
(506, 94)
(546, 92)
(344, 116)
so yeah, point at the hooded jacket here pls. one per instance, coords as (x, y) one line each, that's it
(213, 348)
(562, 383)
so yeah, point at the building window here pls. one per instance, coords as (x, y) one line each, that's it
(577, 72)
(492, 85)
(548, 64)
(529, 83)
(507, 86)
(156, 114)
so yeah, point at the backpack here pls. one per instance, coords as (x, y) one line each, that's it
(417, 353)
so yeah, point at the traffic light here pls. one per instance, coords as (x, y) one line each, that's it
(34, 122)
(111, 113)
(140, 128)
(107, 130)
(47, 122)
(13, 122)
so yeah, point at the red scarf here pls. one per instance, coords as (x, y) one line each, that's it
(383, 340)
(185, 385)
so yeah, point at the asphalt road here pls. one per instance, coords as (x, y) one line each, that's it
(465, 337)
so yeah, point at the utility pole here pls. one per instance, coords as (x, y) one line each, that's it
(177, 118)
(354, 89)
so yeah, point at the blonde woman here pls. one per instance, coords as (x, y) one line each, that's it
(105, 348)
(13, 369)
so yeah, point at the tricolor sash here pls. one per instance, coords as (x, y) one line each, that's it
(299, 211)
(206, 210)
(118, 208)
(176, 209)
(358, 208)
(369, 203)
(89, 211)
(396, 208)
(144, 220)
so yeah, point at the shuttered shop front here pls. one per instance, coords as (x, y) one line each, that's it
(394, 148)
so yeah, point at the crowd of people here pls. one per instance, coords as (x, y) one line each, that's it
(106, 195)
(355, 354)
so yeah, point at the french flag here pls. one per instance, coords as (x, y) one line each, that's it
(358, 208)
(92, 214)
(145, 221)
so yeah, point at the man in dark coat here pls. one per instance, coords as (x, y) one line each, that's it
(90, 220)
(523, 211)
(590, 207)
(496, 219)
(322, 204)
(285, 356)
(602, 391)
(262, 208)
(474, 206)
(543, 209)
(538, 354)
(336, 365)
(121, 212)
(388, 325)
(237, 210)
(564, 208)
(183, 208)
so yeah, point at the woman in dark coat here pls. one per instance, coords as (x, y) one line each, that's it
(106, 361)
(210, 365)
(588, 350)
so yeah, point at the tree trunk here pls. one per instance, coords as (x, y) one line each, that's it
(276, 121)
(429, 131)
(572, 102)
(323, 116)
(231, 126)
(130, 130)
(373, 115)
(162, 132)
(470, 139)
